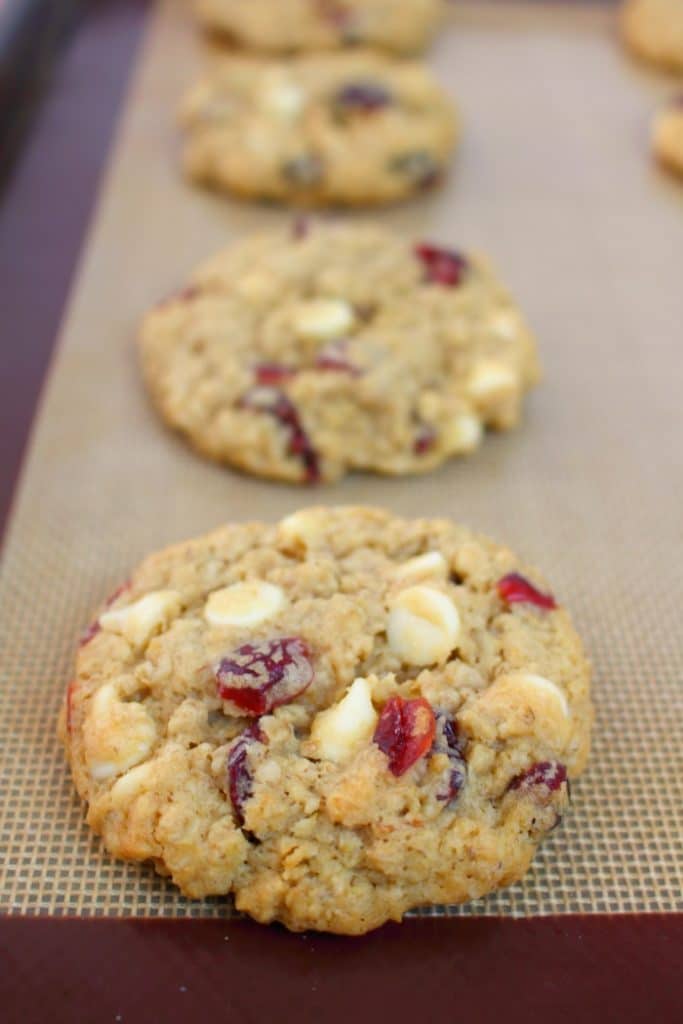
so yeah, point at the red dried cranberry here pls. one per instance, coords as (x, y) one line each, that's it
(336, 13)
(301, 228)
(442, 266)
(260, 677)
(364, 97)
(515, 588)
(550, 774)
(276, 404)
(273, 373)
(419, 167)
(69, 705)
(447, 741)
(92, 631)
(405, 732)
(117, 593)
(94, 627)
(183, 295)
(239, 776)
(425, 439)
(334, 357)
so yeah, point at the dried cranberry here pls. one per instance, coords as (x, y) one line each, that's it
(94, 627)
(276, 404)
(515, 588)
(405, 732)
(336, 13)
(272, 373)
(425, 439)
(442, 266)
(92, 631)
(301, 228)
(364, 97)
(260, 677)
(550, 774)
(334, 357)
(117, 593)
(69, 705)
(419, 167)
(239, 776)
(447, 741)
(365, 310)
(183, 295)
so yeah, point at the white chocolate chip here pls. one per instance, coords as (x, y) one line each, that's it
(283, 98)
(424, 626)
(542, 686)
(521, 704)
(131, 784)
(491, 379)
(430, 564)
(116, 734)
(139, 621)
(323, 319)
(244, 604)
(302, 527)
(340, 731)
(463, 434)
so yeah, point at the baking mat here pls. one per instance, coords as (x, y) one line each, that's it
(554, 181)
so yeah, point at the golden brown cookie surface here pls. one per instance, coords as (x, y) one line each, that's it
(667, 136)
(336, 718)
(653, 30)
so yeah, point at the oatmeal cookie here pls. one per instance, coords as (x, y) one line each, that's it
(335, 718)
(667, 136)
(348, 129)
(286, 26)
(653, 31)
(303, 355)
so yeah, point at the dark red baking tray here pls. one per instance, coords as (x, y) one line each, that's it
(587, 968)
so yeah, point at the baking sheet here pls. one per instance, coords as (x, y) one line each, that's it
(553, 180)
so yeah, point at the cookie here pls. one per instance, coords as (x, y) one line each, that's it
(285, 26)
(653, 31)
(336, 718)
(667, 136)
(303, 355)
(346, 129)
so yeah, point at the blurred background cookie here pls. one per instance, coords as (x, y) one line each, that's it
(352, 129)
(667, 135)
(338, 348)
(281, 26)
(653, 31)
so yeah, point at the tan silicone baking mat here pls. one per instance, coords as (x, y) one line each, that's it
(553, 179)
